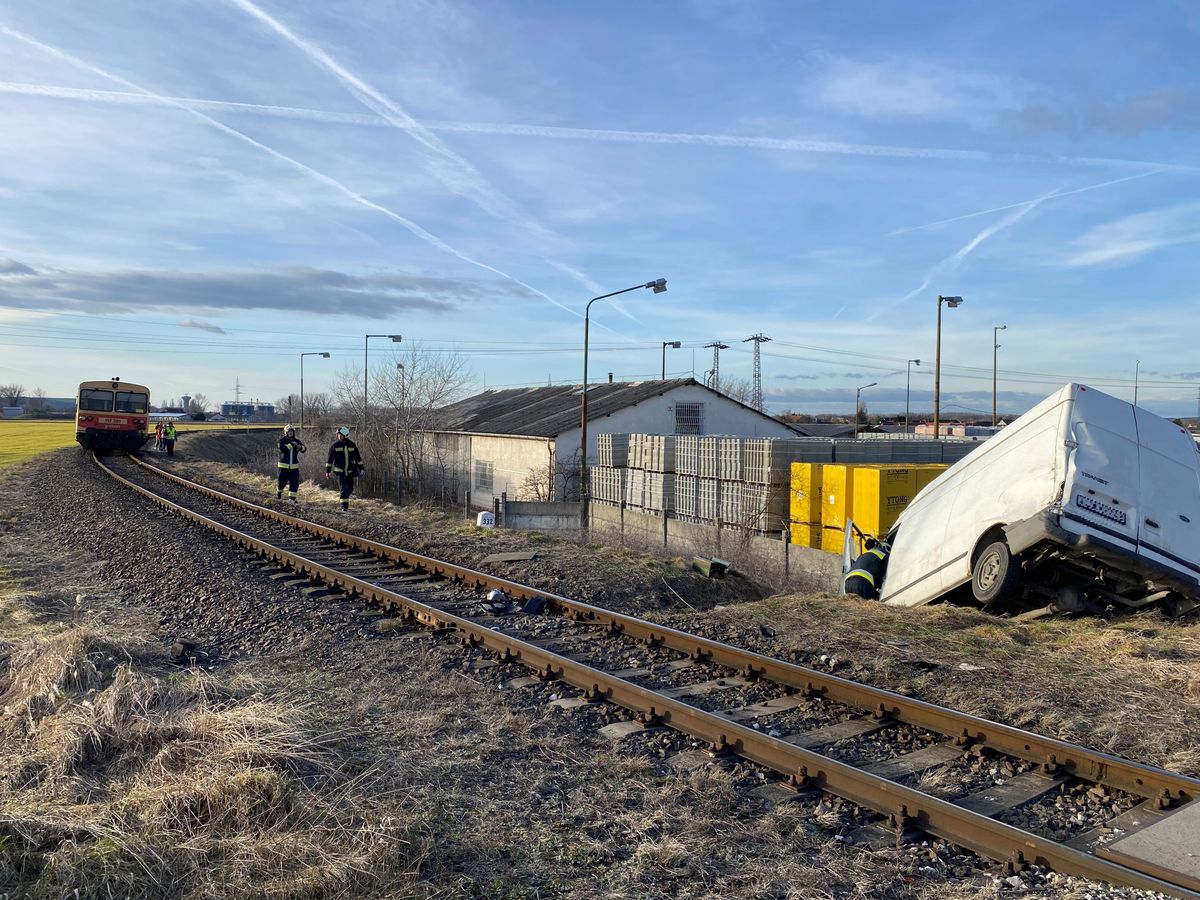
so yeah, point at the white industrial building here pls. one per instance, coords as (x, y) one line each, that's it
(525, 442)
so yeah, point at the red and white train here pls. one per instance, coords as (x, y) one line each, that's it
(111, 415)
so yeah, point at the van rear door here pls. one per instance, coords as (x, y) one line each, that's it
(1103, 480)
(1170, 486)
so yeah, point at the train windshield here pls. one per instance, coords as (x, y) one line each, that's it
(131, 402)
(96, 401)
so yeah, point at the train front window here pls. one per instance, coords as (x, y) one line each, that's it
(96, 401)
(130, 402)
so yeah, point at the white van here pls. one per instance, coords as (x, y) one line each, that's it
(1085, 502)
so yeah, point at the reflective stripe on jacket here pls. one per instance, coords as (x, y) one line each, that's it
(169, 432)
(290, 449)
(344, 458)
(870, 567)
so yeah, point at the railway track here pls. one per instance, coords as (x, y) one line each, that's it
(818, 732)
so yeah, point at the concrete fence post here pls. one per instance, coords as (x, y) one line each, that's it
(786, 557)
(503, 520)
(496, 512)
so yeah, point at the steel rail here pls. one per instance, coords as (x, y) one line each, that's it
(1052, 754)
(905, 807)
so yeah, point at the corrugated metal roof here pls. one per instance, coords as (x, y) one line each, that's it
(549, 411)
(822, 429)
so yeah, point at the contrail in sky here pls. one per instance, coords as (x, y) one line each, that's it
(954, 260)
(455, 172)
(553, 132)
(984, 212)
(326, 180)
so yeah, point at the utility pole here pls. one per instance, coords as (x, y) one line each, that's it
(756, 399)
(715, 381)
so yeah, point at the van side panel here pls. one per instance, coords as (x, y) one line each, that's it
(1169, 531)
(1010, 478)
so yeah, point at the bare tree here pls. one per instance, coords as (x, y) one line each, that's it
(289, 407)
(11, 394)
(739, 389)
(198, 406)
(318, 408)
(37, 401)
(561, 483)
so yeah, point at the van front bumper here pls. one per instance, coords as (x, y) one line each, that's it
(1045, 527)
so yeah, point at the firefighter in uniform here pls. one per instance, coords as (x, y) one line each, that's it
(865, 577)
(345, 462)
(290, 448)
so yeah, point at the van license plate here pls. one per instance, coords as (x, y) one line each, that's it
(1092, 505)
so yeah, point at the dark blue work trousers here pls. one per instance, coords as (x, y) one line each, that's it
(346, 483)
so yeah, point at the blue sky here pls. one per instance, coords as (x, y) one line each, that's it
(195, 193)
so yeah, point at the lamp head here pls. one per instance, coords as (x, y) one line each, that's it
(395, 338)
(325, 355)
(1002, 328)
(675, 344)
(917, 361)
(952, 301)
(658, 285)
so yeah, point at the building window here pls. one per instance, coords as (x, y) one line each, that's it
(483, 476)
(689, 418)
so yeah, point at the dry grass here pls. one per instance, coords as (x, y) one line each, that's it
(114, 781)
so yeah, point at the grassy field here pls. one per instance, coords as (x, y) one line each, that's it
(21, 439)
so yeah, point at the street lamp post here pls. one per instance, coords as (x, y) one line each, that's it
(995, 346)
(395, 339)
(302, 355)
(908, 393)
(658, 286)
(937, 363)
(1137, 368)
(857, 395)
(666, 344)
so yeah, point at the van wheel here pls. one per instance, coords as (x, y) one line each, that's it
(997, 576)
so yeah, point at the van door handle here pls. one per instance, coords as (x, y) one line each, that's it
(1151, 523)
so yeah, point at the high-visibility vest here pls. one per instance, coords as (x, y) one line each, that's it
(169, 433)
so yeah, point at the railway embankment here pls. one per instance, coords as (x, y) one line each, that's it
(498, 792)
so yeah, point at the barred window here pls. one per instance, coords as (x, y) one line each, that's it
(689, 418)
(484, 472)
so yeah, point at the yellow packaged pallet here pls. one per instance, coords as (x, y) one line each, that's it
(881, 493)
(837, 504)
(928, 472)
(805, 504)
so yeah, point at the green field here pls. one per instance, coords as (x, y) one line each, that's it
(22, 439)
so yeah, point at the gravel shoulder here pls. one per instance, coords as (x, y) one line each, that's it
(501, 794)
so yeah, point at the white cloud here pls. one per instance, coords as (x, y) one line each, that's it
(909, 89)
(1132, 237)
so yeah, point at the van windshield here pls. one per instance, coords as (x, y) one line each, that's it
(131, 402)
(96, 401)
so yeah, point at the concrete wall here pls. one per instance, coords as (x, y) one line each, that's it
(657, 416)
(541, 516)
(767, 560)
